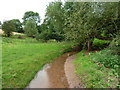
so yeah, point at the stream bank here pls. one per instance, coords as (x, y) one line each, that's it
(72, 78)
(52, 75)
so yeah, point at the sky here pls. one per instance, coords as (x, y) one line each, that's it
(15, 9)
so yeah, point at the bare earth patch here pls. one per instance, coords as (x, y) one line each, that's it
(14, 33)
(1, 32)
(72, 78)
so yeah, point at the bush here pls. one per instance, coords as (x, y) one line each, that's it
(31, 28)
(70, 49)
(115, 45)
(48, 35)
(106, 58)
(100, 44)
(8, 27)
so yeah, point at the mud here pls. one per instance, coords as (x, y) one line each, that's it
(52, 75)
(72, 78)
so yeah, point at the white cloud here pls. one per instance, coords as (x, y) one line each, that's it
(15, 9)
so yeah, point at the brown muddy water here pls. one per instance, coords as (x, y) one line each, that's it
(52, 75)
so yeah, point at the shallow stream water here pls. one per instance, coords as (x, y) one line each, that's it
(52, 75)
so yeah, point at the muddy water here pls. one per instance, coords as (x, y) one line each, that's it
(52, 75)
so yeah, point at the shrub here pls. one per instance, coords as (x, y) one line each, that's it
(100, 44)
(106, 58)
(115, 45)
(31, 28)
(8, 27)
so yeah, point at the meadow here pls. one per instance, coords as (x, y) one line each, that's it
(22, 58)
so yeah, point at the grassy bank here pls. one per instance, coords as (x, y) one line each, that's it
(22, 58)
(93, 73)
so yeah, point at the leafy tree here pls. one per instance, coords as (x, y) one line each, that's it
(115, 45)
(107, 16)
(8, 27)
(48, 32)
(55, 14)
(52, 27)
(77, 23)
(18, 25)
(0, 24)
(86, 20)
(30, 14)
(30, 28)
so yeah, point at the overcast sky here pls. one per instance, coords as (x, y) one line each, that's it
(15, 9)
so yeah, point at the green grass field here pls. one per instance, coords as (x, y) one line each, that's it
(22, 58)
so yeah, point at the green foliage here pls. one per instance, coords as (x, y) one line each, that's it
(109, 60)
(18, 25)
(70, 49)
(86, 20)
(6, 40)
(100, 44)
(94, 75)
(54, 13)
(115, 45)
(47, 32)
(106, 58)
(8, 27)
(23, 58)
(30, 14)
(44, 35)
(31, 28)
(81, 22)
(52, 27)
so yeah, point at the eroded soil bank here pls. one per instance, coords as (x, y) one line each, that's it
(52, 75)
(72, 78)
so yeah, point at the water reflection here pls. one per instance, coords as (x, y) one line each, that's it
(41, 79)
(52, 75)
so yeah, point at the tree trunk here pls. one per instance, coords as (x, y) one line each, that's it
(8, 35)
(89, 45)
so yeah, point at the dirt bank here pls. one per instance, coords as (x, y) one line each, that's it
(72, 78)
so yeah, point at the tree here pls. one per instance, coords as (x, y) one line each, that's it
(55, 14)
(106, 21)
(0, 24)
(52, 27)
(18, 25)
(30, 28)
(30, 14)
(8, 27)
(77, 23)
(86, 20)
